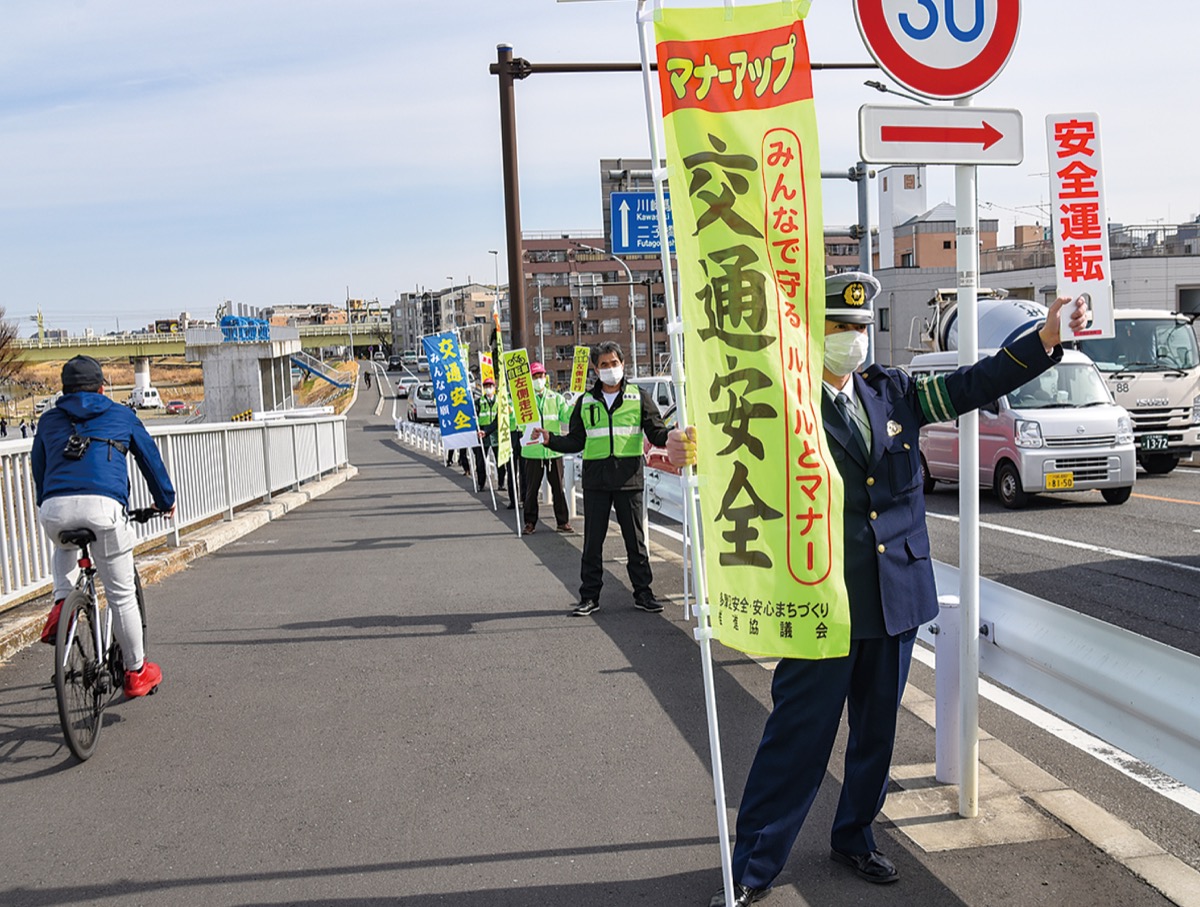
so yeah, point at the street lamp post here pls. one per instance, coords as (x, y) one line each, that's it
(541, 325)
(453, 315)
(632, 302)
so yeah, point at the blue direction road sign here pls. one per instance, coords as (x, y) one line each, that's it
(635, 224)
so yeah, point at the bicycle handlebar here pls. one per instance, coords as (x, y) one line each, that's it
(145, 514)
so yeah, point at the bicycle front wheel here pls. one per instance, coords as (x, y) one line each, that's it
(78, 675)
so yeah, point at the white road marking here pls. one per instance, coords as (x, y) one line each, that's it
(1070, 543)
(1126, 764)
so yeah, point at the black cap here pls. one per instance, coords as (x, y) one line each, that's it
(81, 372)
(849, 297)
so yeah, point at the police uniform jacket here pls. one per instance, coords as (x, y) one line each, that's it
(611, 473)
(888, 571)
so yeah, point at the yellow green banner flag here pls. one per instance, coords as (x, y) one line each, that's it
(520, 386)
(486, 370)
(504, 446)
(746, 196)
(579, 369)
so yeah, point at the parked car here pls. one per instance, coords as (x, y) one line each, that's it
(405, 385)
(423, 407)
(176, 407)
(1059, 432)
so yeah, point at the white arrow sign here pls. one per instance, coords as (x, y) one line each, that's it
(940, 135)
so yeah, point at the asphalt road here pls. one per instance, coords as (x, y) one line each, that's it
(381, 700)
(1135, 565)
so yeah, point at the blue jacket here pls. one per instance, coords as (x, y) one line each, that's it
(103, 470)
(888, 571)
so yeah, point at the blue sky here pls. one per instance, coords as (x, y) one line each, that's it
(158, 158)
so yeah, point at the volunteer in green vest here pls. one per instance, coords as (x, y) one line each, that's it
(538, 460)
(509, 474)
(610, 424)
(488, 412)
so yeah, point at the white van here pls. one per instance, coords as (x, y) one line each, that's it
(146, 398)
(1059, 432)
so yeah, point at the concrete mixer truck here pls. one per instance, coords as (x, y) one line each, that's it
(1061, 432)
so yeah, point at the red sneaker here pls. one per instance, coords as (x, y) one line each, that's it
(50, 630)
(144, 681)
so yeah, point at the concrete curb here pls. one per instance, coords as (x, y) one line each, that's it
(22, 626)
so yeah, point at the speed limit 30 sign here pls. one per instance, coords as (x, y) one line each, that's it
(941, 49)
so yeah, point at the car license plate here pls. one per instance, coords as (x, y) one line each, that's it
(1153, 442)
(1058, 481)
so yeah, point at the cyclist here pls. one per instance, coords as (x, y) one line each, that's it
(82, 480)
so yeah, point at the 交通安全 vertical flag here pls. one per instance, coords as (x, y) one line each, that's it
(449, 374)
(746, 195)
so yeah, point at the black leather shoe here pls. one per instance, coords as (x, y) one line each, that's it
(742, 896)
(873, 866)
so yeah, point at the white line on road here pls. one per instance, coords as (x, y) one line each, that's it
(1126, 764)
(1070, 543)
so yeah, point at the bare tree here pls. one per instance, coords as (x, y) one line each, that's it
(11, 363)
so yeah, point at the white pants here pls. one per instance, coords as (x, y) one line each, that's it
(112, 553)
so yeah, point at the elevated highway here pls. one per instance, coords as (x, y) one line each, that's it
(136, 346)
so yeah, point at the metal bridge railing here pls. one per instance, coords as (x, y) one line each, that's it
(215, 468)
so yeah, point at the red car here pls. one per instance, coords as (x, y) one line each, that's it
(176, 407)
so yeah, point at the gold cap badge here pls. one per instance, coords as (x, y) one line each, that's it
(855, 294)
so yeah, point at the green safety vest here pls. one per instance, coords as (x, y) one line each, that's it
(616, 434)
(553, 408)
(487, 412)
(487, 417)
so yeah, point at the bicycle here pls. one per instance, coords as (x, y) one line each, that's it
(89, 669)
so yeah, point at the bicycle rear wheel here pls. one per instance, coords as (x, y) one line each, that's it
(77, 676)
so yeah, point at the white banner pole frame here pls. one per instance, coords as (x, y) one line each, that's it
(688, 478)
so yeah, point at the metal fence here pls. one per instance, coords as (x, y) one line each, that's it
(215, 469)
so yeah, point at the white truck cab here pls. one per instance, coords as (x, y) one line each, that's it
(1152, 368)
(1059, 432)
(661, 390)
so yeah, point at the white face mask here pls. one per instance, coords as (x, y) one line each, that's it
(539, 384)
(845, 351)
(611, 376)
(490, 394)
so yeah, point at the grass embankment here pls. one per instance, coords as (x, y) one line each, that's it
(175, 378)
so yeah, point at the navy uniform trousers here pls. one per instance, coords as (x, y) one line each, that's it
(889, 578)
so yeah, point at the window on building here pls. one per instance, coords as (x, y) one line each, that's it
(610, 326)
(883, 320)
(947, 244)
(910, 181)
(906, 260)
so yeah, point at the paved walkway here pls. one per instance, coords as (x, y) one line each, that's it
(381, 699)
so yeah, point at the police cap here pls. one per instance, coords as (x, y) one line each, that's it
(850, 297)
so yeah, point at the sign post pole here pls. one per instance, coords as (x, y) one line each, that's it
(967, 260)
(953, 67)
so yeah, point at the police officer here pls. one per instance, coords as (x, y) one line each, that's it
(538, 459)
(871, 421)
(610, 424)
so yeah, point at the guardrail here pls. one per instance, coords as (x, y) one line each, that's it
(1130, 691)
(215, 468)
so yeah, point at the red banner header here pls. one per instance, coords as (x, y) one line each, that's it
(744, 72)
